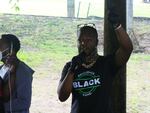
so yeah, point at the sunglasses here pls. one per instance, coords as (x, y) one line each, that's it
(87, 24)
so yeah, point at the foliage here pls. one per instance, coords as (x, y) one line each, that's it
(15, 5)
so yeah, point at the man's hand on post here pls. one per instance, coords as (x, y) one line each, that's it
(114, 19)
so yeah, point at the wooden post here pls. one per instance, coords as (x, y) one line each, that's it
(78, 9)
(88, 10)
(110, 45)
(71, 8)
(129, 15)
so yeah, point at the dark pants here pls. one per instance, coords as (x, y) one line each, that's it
(2, 109)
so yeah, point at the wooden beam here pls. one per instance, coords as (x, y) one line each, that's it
(71, 8)
(129, 15)
(110, 45)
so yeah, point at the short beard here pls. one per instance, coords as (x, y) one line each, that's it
(91, 56)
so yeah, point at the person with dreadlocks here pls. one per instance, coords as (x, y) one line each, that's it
(16, 77)
(89, 76)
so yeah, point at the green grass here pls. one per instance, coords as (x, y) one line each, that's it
(141, 27)
(140, 57)
(136, 61)
(138, 83)
(43, 39)
(33, 59)
(141, 9)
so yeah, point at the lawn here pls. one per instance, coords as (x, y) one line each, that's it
(138, 84)
(43, 38)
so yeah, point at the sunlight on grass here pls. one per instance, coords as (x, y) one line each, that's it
(140, 57)
(138, 74)
(32, 58)
(141, 9)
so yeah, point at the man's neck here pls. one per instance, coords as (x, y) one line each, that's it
(92, 57)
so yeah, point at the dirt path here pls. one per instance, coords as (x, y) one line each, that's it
(44, 97)
(138, 87)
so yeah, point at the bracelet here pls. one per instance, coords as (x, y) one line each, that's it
(118, 27)
(71, 70)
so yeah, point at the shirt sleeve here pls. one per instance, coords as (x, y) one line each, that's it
(65, 71)
(23, 91)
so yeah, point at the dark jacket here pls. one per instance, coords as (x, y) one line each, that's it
(21, 96)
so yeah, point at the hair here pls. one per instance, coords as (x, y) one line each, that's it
(11, 39)
(90, 31)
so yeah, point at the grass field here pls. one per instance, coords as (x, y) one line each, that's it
(138, 84)
(47, 43)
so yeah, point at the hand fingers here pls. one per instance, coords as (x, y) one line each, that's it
(11, 60)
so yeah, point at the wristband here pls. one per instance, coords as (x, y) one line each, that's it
(118, 27)
(71, 70)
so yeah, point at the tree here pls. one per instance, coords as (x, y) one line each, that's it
(15, 4)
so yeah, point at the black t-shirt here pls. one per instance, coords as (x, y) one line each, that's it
(92, 86)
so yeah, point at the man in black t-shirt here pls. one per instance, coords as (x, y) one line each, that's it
(89, 76)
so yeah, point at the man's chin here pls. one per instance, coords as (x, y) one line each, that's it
(87, 53)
